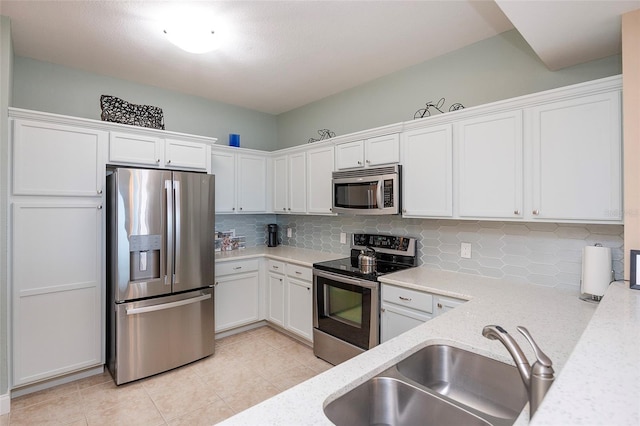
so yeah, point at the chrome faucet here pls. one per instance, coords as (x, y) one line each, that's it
(537, 378)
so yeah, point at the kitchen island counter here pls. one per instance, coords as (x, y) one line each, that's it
(555, 318)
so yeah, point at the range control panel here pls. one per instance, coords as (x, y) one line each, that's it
(389, 242)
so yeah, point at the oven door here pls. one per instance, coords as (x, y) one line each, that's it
(346, 308)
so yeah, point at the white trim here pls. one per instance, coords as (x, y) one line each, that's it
(5, 404)
(26, 389)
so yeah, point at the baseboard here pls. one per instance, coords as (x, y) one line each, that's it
(5, 404)
(26, 389)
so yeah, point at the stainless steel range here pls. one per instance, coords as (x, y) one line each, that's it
(346, 300)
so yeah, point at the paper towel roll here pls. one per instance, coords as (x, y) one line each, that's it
(596, 270)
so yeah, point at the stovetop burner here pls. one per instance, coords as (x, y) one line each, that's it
(393, 254)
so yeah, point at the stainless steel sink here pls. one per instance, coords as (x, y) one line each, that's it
(388, 401)
(439, 385)
(482, 383)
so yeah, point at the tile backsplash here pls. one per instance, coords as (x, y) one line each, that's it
(546, 254)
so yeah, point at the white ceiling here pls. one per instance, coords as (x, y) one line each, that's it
(279, 55)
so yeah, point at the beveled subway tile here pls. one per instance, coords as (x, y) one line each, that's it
(211, 414)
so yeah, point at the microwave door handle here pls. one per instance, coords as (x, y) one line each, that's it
(379, 195)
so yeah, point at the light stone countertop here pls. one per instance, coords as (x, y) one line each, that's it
(555, 318)
(299, 256)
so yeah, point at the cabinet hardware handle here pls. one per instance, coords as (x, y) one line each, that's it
(289, 208)
(240, 208)
(407, 299)
(168, 161)
(284, 209)
(158, 161)
(215, 284)
(298, 272)
(440, 305)
(99, 191)
(275, 267)
(280, 279)
(516, 212)
(360, 162)
(237, 268)
(233, 208)
(382, 310)
(368, 162)
(100, 207)
(404, 210)
(536, 212)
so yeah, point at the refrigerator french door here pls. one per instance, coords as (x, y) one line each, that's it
(160, 272)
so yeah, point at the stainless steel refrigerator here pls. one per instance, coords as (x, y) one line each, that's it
(160, 271)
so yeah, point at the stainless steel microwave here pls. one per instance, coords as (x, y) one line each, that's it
(372, 191)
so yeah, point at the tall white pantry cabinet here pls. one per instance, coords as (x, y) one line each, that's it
(57, 244)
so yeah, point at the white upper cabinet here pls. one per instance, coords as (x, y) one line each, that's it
(367, 153)
(577, 159)
(297, 183)
(223, 166)
(56, 159)
(186, 155)
(252, 183)
(280, 184)
(153, 151)
(489, 163)
(319, 173)
(427, 157)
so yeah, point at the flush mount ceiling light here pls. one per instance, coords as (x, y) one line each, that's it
(192, 38)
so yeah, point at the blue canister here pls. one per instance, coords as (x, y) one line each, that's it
(234, 140)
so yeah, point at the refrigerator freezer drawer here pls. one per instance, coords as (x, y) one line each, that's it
(159, 334)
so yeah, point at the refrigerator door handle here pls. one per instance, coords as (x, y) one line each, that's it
(163, 306)
(169, 249)
(176, 266)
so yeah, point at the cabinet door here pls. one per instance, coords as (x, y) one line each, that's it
(52, 159)
(275, 298)
(319, 188)
(280, 184)
(237, 300)
(299, 308)
(297, 183)
(135, 149)
(350, 155)
(223, 166)
(382, 150)
(252, 184)
(577, 160)
(427, 180)
(490, 166)
(395, 320)
(185, 155)
(56, 288)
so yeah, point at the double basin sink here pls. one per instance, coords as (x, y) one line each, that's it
(438, 385)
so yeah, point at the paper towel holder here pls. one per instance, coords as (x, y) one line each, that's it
(634, 279)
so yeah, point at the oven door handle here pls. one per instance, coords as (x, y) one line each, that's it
(346, 280)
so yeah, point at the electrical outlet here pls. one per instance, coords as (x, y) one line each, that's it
(343, 238)
(465, 250)
(289, 232)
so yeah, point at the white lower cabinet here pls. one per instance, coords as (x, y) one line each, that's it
(237, 294)
(403, 309)
(57, 287)
(290, 297)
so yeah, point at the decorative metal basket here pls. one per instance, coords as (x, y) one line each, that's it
(120, 111)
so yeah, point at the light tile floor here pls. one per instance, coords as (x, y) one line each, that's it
(246, 369)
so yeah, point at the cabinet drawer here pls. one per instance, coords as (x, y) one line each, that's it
(300, 272)
(406, 297)
(237, 267)
(276, 266)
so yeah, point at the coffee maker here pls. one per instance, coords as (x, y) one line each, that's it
(272, 235)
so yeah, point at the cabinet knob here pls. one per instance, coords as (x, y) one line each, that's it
(158, 161)
(289, 208)
(516, 212)
(382, 310)
(368, 162)
(439, 305)
(240, 208)
(536, 212)
(404, 210)
(359, 163)
(215, 284)
(100, 207)
(100, 191)
(284, 209)
(233, 208)
(168, 161)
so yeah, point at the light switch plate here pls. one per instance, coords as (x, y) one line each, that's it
(289, 233)
(465, 250)
(343, 238)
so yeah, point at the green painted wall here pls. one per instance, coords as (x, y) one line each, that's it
(497, 68)
(6, 69)
(48, 87)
